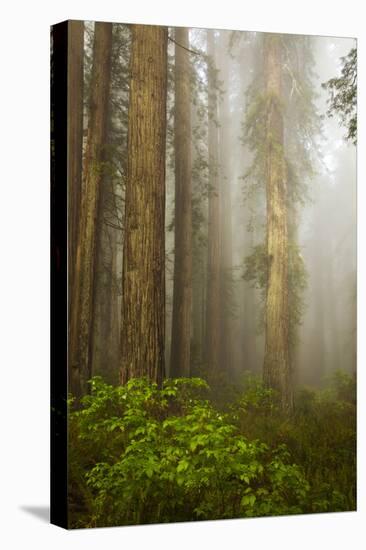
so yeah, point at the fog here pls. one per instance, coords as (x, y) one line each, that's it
(227, 84)
(325, 226)
(211, 273)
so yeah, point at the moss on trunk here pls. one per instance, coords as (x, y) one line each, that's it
(276, 368)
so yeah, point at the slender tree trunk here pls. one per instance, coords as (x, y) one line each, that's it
(294, 333)
(213, 265)
(333, 326)
(82, 306)
(75, 159)
(198, 307)
(198, 257)
(313, 352)
(250, 317)
(182, 290)
(276, 368)
(143, 277)
(225, 213)
(318, 341)
(105, 341)
(114, 332)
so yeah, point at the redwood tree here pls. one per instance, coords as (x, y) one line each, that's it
(213, 265)
(276, 368)
(75, 153)
(81, 311)
(143, 276)
(182, 290)
(75, 135)
(226, 163)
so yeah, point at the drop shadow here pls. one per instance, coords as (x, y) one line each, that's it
(40, 512)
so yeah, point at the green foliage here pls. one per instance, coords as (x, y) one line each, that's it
(297, 284)
(343, 95)
(258, 139)
(302, 121)
(256, 272)
(320, 436)
(144, 455)
(302, 128)
(255, 267)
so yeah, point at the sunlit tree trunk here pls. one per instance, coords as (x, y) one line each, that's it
(143, 276)
(276, 368)
(182, 290)
(214, 245)
(75, 154)
(82, 300)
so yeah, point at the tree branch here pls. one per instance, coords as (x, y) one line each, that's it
(184, 48)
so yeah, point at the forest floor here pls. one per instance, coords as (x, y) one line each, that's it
(190, 451)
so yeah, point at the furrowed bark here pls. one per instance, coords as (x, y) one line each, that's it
(74, 159)
(276, 368)
(82, 300)
(143, 278)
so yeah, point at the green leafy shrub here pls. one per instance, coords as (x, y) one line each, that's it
(320, 436)
(144, 455)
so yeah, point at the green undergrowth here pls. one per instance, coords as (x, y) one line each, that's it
(139, 454)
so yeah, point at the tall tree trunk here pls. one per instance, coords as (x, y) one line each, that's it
(198, 309)
(276, 368)
(318, 342)
(198, 259)
(82, 306)
(75, 159)
(250, 316)
(334, 331)
(105, 340)
(143, 277)
(225, 212)
(213, 265)
(294, 333)
(114, 332)
(182, 289)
